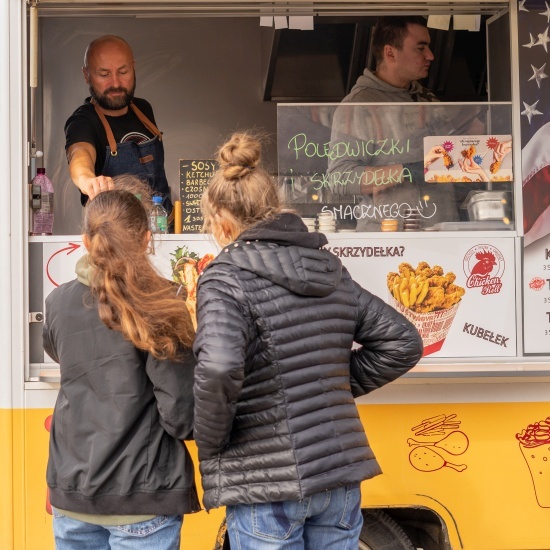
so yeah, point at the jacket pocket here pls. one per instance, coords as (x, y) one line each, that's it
(352, 507)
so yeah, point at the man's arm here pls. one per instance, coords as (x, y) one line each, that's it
(81, 157)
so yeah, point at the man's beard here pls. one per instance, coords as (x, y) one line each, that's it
(113, 104)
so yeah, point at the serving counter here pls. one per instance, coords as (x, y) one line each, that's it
(472, 328)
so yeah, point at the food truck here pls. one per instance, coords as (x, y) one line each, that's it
(464, 438)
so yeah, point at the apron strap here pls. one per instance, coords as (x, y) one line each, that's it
(110, 136)
(146, 122)
(108, 131)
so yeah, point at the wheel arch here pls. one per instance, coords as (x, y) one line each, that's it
(430, 525)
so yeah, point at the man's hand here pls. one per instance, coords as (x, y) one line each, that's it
(82, 157)
(92, 186)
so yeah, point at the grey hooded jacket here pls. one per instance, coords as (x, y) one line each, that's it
(275, 416)
(370, 89)
(116, 437)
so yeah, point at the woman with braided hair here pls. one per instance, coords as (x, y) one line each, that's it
(119, 474)
(278, 433)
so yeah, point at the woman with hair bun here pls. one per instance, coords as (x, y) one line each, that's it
(119, 474)
(279, 437)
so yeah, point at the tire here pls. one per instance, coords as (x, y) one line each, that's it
(381, 532)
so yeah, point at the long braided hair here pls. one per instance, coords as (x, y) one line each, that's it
(131, 296)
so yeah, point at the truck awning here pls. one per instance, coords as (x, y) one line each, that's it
(255, 8)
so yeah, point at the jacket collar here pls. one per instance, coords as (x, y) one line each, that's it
(287, 229)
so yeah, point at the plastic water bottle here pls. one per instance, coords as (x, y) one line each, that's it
(158, 217)
(42, 218)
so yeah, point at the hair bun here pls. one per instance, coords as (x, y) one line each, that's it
(239, 156)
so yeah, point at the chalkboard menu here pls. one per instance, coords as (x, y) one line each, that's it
(194, 177)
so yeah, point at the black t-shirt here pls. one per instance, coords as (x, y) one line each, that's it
(84, 125)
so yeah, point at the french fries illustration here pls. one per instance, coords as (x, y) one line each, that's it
(424, 289)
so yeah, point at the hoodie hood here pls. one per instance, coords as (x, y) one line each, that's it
(83, 270)
(369, 88)
(284, 252)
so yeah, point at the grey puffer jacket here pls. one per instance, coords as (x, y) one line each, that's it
(275, 416)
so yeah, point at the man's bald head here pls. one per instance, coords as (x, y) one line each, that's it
(103, 43)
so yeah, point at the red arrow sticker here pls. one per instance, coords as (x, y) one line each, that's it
(69, 249)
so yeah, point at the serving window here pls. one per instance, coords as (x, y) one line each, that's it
(398, 167)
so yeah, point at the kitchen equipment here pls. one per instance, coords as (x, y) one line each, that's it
(412, 221)
(484, 225)
(326, 222)
(310, 223)
(489, 205)
(389, 224)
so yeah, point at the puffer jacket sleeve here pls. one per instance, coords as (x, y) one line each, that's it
(220, 348)
(390, 344)
(173, 387)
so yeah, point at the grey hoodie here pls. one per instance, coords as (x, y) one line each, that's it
(370, 89)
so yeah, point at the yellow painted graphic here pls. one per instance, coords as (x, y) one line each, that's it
(534, 443)
(429, 454)
(497, 501)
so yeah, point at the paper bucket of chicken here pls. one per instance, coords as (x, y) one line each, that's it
(428, 298)
(186, 268)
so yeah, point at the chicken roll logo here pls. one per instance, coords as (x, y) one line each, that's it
(483, 267)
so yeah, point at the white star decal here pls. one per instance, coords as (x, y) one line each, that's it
(538, 74)
(532, 42)
(522, 6)
(543, 40)
(547, 12)
(530, 110)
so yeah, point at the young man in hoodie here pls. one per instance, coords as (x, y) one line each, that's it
(401, 48)
(390, 176)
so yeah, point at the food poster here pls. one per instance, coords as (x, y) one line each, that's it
(533, 36)
(468, 159)
(458, 292)
(536, 297)
(179, 260)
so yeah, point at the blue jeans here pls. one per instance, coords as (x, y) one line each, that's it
(324, 521)
(159, 533)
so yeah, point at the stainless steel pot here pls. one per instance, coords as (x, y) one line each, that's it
(490, 205)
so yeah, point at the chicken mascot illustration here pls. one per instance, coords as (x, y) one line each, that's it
(485, 265)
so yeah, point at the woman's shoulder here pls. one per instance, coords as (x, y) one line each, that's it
(66, 292)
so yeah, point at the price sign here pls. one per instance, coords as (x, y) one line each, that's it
(536, 291)
(194, 177)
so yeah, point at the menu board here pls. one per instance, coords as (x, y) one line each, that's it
(535, 160)
(194, 177)
(460, 293)
(536, 277)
